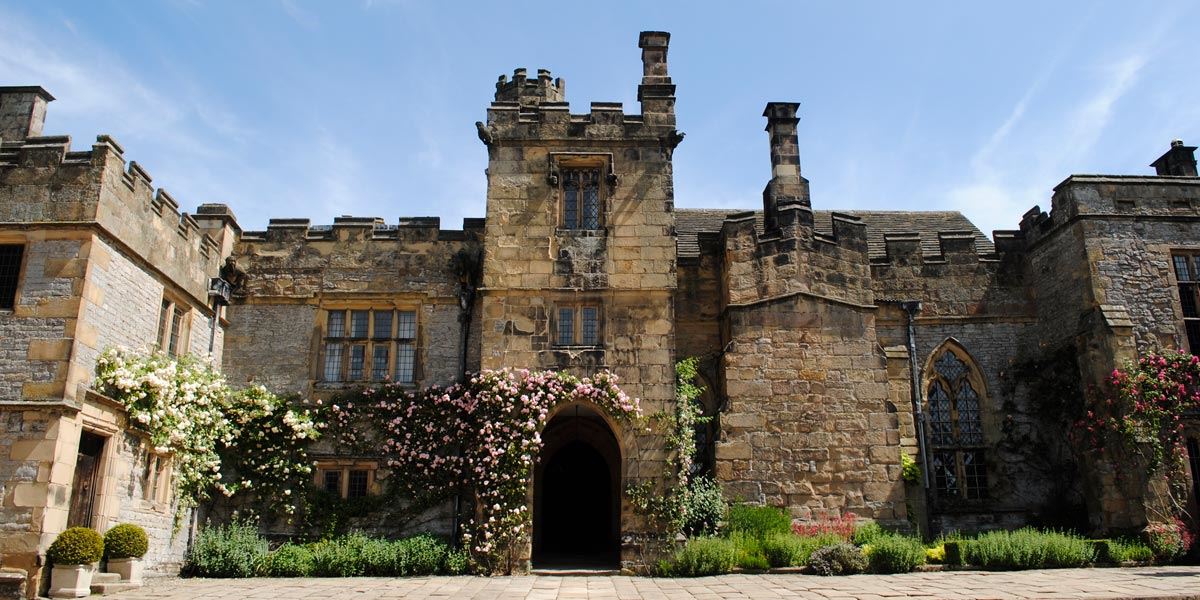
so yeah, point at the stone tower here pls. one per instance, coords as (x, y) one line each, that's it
(579, 251)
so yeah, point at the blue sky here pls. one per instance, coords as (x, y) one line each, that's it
(289, 108)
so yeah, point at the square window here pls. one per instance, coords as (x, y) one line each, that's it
(359, 321)
(333, 482)
(566, 326)
(10, 271)
(356, 484)
(406, 325)
(581, 201)
(379, 365)
(176, 341)
(358, 355)
(383, 324)
(336, 327)
(590, 325)
(405, 360)
(333, 362)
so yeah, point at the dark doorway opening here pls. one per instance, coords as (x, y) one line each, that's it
(83, 486)
(576, 494)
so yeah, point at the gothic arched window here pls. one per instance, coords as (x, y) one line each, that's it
(955, 427)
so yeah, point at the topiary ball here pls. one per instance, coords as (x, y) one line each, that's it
(76, 546)
(126, 540)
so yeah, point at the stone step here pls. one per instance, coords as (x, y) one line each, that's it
(105, 578)
(113, 587)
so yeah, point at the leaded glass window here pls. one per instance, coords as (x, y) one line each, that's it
(581, 202)
(370, 344)
(1187, 273)
(955, 429)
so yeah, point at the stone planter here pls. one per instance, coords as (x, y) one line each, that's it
(130, 569)
(71, 581)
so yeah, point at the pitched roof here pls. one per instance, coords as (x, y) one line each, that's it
(689, 222)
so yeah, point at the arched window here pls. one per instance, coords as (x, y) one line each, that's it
(954, 426)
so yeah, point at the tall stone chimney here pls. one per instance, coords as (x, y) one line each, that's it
(787, 186)
(22, 111)
(656, 93)
(1179, 161)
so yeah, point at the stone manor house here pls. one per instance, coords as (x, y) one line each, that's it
(824, 337)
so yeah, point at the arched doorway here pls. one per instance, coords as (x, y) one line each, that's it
(576, 493)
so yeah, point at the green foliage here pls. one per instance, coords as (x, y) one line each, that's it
(233, 550)
(1168, 541)
(895, 554)
(790, 550)
(936, 555)
(704, 507)
(910, 471)
(1027, 549)
(289, 560)
(758, 521)
(837, 559)
(955, 552)
(867, 533)
(76, 546)
(700, 557)
(357, 554)
(749, 551)
(126, 540)
(1118, 551)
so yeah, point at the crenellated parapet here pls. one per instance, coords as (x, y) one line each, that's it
(295, 259)
(46, 183)
(795, 259)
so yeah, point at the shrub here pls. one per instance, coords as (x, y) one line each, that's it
(339, 557)
(843, 526)
(76, 546)
(126, 540)
(701, 556)
(421, 555)
(457, 562)
(749, 551)
(838, 559)
(705, 507)
(1026, 549)
(234, 550)
(936, 555)
(895, 554)
(289, 560)
(1123, 550)
(867, 533)
(379, 557)
(790, 550)
(757, 521)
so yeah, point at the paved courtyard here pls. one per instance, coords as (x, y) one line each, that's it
(1150, 582)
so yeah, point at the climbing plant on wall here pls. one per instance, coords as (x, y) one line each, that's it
(1143, 414)
(222, 441)
(481, 437)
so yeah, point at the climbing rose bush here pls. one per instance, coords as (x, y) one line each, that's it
(482, 437)
(221, 439)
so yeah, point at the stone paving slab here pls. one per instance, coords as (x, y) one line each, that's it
(1147, 582)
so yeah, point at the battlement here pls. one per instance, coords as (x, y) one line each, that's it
(530, 92)
(360, 229)
(795, 258)
(50, 184)
(536, 109)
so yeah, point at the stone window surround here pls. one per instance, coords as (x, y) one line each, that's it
(394, 344)
(158, 479)
(1192, 282)
(171, 307)
(974, 377)
(577, 308)
(23, 256)
(343, 467)
(561, 162)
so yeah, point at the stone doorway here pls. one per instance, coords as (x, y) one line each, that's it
(576, 505)
(87, 475)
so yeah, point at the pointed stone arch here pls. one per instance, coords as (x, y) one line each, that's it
(954, 395)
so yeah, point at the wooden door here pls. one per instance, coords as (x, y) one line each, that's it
(83, 487)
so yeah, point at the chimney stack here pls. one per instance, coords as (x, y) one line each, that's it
(22, 112)
(1179, 161)
(656, 93)
(787, 186)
